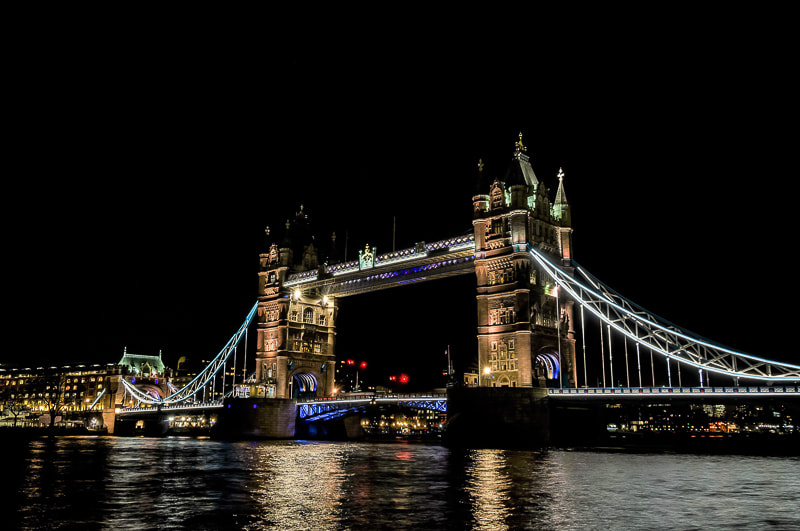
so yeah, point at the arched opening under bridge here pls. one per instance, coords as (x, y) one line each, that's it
(547, 367)
(304, 386)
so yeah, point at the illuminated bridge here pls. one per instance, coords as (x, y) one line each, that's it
(534, 305)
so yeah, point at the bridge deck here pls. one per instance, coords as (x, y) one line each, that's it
(308, 408)
(176, 407)
(667, 392)
(323, 408)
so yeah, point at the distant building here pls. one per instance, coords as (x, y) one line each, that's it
(471, 379)
(70, 389)
(142, 365)
(66, 389)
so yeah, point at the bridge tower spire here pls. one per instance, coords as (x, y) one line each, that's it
(525, 336)
(563, 219)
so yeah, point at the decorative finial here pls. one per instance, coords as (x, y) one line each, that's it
(266, 231)
(520, 147)
(480, 165)
(560, 174)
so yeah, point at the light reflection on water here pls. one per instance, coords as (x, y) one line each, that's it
(137, 483)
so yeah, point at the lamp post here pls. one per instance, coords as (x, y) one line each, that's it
(558, 335)
(487, 371)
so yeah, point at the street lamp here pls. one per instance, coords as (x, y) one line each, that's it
(558, 335)
(487, 371)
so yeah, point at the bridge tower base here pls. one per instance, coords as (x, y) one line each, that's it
(497, 417)
(256, 418)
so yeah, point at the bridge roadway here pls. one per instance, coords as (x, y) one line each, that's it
(656, 393)
(438, 401)
(327, 408)
(178, 408)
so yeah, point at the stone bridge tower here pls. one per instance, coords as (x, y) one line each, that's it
(525, 330)
(296, 329)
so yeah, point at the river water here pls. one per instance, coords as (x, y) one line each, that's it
(185, 483)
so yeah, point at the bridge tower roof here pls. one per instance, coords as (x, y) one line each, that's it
(519, 169)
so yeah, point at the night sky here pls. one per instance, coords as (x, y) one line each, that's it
(147, 174)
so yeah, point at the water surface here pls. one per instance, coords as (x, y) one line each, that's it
(185, 483)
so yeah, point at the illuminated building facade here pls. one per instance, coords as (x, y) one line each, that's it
(72, 390)
(66, 389)
(525, 334)
(296, 333)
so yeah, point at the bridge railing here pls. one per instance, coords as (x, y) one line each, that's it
(326, 408)
(369, 396)
(419, 251)
(674, 391)
(172, 407)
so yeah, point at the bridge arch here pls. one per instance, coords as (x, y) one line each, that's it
(304, 384)
(547, 365)
(503, 381)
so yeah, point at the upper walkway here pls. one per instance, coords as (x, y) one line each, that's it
(424, 261)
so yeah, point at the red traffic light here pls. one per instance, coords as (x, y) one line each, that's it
(363, 365)
(403, 378)
(392, 378)
(351, 362)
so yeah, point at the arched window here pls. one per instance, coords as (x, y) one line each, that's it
(497, 197)
(308, 316)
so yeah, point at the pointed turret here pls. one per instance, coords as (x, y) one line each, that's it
(482, 182)
(480, 196)
(561, 211)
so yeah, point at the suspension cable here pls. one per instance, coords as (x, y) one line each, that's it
(660, 335)
(208, 374)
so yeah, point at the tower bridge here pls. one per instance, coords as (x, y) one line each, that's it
(532, 301)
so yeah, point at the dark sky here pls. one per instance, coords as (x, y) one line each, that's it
(148, 168)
